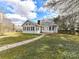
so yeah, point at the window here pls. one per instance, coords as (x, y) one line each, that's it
(29, 24)
(52, 27)
(24, 28)
(49, 28)
(36, 28)
(32, 28)
(27, 28)
(26, 24)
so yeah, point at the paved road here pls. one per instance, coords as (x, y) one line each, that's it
(9, 46)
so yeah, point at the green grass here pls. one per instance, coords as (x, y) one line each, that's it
(55, 46)
(14, 39)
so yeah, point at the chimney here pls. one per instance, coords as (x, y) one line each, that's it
(38, 22)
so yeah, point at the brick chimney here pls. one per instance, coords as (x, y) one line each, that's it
(38, 22)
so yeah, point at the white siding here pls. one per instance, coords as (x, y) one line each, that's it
(46, 29)
(38, 29)
(30, 30)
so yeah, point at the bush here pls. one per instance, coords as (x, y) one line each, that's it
(68, 32)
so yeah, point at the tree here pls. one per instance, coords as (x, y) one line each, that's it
(69, 9)
(63, 6)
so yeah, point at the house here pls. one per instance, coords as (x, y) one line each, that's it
(30, 27)
(48, 26)
(40, 27)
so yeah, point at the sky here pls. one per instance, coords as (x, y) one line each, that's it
(21, 10)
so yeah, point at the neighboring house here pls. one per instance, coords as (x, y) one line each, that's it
(40, 27)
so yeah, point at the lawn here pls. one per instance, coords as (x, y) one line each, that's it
(15, 37)
(52, 46)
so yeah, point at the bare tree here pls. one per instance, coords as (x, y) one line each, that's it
(63, 6)
(69, 9)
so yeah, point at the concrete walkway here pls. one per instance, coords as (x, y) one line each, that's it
(9, 46)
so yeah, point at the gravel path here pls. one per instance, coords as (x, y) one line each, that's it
(9, 46)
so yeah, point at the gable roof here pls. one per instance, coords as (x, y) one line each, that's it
(29, 22)
(43, 23)
(47, 22)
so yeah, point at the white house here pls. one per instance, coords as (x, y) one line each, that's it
(30, 27)
(48, 26)
(40, 27)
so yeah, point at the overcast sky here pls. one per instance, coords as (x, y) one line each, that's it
(21, 10)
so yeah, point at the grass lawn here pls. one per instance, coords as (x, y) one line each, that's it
(55, 46)
(15, 37)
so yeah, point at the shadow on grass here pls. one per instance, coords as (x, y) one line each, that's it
(49, 47)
